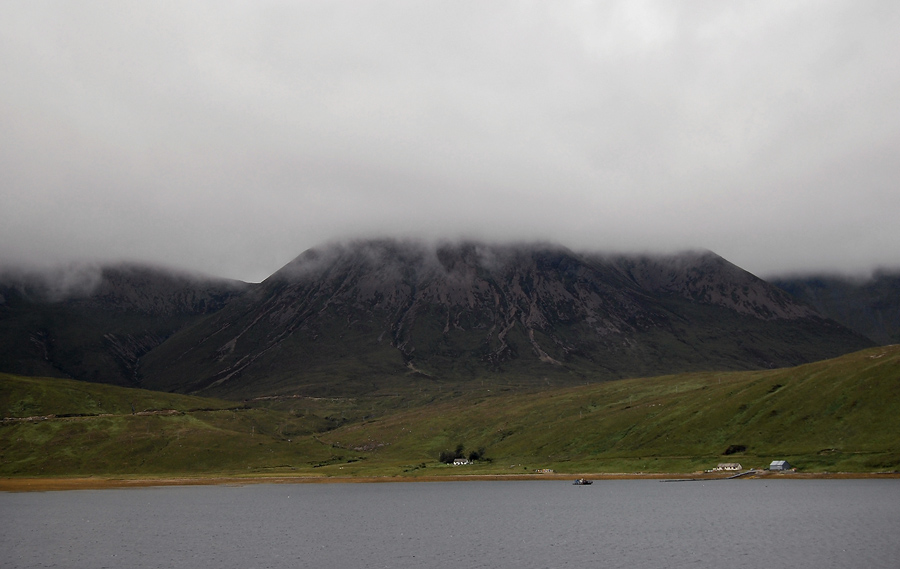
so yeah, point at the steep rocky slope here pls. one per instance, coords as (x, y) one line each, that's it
(95, 323)
(369, 316)
(868, 306)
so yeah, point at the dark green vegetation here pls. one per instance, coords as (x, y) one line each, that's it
(836, 415)
(868, 306)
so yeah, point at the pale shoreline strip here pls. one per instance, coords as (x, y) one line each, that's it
(25, 484)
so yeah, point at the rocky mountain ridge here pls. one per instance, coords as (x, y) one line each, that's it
(95, 323)
(369, 316)
(348, 317)
(870, 306)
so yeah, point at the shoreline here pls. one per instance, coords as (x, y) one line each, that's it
(102, 483)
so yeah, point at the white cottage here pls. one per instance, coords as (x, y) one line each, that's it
(732, 466)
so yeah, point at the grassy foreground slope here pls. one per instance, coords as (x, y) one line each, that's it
(836, 415)
(840, 414)
(64, 427)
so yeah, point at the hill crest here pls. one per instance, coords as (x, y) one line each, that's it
(359, 312)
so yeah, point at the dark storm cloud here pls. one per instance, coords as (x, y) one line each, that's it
(227, 137)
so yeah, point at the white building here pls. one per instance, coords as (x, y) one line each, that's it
(780, 465)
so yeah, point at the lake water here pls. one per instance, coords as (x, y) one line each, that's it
(529, 524)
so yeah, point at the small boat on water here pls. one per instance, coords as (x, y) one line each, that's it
(582, 482)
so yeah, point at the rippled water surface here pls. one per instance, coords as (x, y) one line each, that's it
(627, 523)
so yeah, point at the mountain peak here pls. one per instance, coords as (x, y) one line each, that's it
(464, 309)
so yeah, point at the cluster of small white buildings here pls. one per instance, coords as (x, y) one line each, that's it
(776, 465)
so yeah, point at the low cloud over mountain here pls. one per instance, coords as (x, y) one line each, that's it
(353, 316)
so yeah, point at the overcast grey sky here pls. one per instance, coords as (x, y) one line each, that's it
(228, 137)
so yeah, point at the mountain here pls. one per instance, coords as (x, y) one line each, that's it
(95, 323)
(868, 306)
(376, 316)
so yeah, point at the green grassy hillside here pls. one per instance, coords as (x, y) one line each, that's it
(836, 415)
(840, 414)
(64, 427)
(30, 396)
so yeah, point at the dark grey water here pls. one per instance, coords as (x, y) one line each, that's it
(540, 524)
